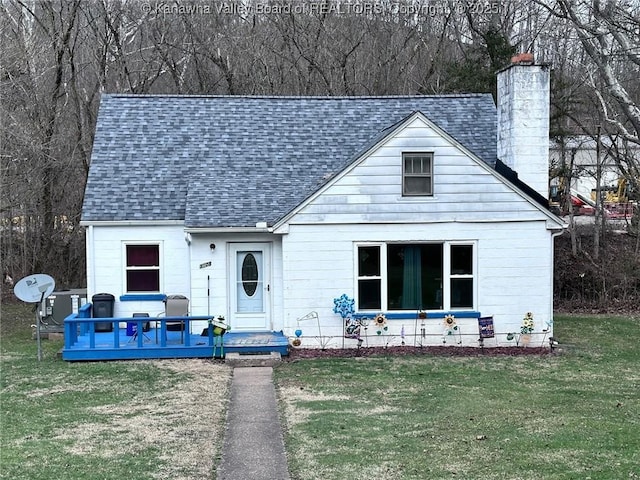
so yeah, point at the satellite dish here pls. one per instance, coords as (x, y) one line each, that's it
(34, 288)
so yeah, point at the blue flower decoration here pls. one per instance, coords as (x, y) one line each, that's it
(343, 306)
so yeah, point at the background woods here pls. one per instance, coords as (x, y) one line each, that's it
(59, 56)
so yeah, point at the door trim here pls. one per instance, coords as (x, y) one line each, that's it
(260, 321)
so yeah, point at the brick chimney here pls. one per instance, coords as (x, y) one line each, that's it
(523, 121)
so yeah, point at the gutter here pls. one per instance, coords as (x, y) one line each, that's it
(261, 227)
(130, 223)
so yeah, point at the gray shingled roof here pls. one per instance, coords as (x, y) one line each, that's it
(234, 161)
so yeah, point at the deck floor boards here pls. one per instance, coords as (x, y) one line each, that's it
(128, 347)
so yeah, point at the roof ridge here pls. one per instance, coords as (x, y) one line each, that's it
(293, 97)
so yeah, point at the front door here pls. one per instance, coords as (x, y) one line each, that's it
(250, 286)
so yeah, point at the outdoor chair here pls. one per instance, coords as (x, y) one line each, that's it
(175, 306)
(146, 326)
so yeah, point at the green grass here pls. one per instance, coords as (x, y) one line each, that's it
(103, 420)
(574, 415)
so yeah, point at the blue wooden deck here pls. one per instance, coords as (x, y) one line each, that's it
(82, 342)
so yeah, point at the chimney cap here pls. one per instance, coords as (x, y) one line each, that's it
(522, 59)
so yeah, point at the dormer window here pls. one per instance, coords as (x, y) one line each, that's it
(417, 174)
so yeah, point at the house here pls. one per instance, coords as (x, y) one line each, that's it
(588, 159)
(266, 209)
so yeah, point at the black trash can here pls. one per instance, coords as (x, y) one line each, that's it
(103, 308)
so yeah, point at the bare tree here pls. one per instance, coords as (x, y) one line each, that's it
(39, 39)
(59, 56)
(609, 32)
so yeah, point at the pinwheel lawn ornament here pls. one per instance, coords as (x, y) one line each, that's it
(344, 306)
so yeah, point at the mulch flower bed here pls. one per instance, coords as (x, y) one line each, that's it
(445, 351)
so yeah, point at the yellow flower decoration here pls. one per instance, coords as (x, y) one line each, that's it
(449, 321)
(450, 328)
(380, 321)
(527, 323)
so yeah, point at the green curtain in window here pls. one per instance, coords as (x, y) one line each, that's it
(412, 278)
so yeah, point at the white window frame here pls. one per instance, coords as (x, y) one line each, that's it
(126, 268)
(449, 276)
(383, 277)
(429, 175)
(446, 273)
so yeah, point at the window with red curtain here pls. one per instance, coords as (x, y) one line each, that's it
(143, 268)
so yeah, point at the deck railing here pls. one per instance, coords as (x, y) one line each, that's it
(82, 324)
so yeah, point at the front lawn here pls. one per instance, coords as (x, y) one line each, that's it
(571, 415)
(139, 420)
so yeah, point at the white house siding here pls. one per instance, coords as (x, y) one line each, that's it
(464, 190)
(513, 275)
(514, 248)
(216, 301)
(105, 248)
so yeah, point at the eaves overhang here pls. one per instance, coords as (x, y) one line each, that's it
(131, 223)
(197, 230)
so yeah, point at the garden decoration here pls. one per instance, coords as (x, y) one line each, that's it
(423, 333)
(219, 329)
(311, 316)
(364, 323)
(296, 341)
(485, 327)
(344, 306)
(546, 330)
(422, 315)
(450, 329)
(526, 328)
(352, 328)
(380, 321)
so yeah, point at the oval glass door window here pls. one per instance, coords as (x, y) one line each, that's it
(249, 274)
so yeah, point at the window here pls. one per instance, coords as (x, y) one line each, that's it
(461, 277)
(414, 277)
(417, 174)
(403, 276)
(369, 278)
(142, 268)
(249, 274)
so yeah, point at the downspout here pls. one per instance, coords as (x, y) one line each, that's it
(91, 265)
(187, 239)
(551, 282)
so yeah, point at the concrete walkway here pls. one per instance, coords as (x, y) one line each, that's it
(253, 447)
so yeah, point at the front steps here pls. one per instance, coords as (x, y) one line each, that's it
(236, 359)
